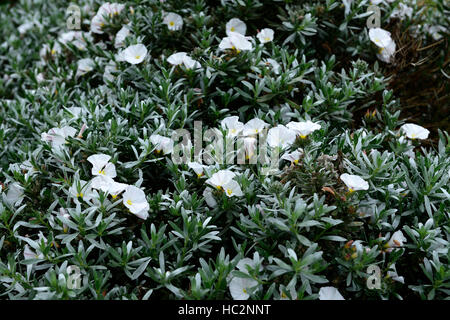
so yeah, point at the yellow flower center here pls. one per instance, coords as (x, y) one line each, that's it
(244, 290)
(256, 130)
(413, 136)
(102, 171)
(115, 196)
(137, 57)
(171, 23)
(129, 202)
(351, 190)
(267, 38)
(229, 192)
(199, 174)
(53, 52)
(296, 161)
(219, 188)
(80, 195)
(303, 136)
(283, 295)
(102, 24)
(232, 29)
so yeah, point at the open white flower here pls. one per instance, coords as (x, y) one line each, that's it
(303, 129)
(265, 35)
(232, 125)
(135, 200)
(239, 287)
(197, 167)
(397, 240)
(254, 127)
(173, 21)
(232, 188)
(102, 166)
(179, 58)
(221, 178)
(235, 41)
(135, 54)
(121, 35)
(330, 293)
(81, 190)
(84, 66)
(280, 136)
(236, 25)
(354, 183)
(97, 24)
(384, 42)
(57, 136)
(414, 131)
(380, 37)
(293, 157)
(161, 143)
(47, 51)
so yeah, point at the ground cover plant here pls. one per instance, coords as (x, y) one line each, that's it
(233, 149)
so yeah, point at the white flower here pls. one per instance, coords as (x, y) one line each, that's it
(197, 167)
(250, 147)
(209, 198)
(386, 54)
(293, 157)
(232, 188)
(402, 11)
(396, 240)
(110, 9)
(435, 31)
(392, 273)
(102, 166)
(97, 24)
(380, 37)
(81, 189)
(221, 178)
(292, 292)
(85, 66)
(173, 21)
(235, 41)
(354, 183)
(119, 41)
(414, 131)
(265, 35)
(179, 58)
(57, 136)
(161, 143)
(239, 287)
(244, 263)
(135, 54)
(254, 126)
(280, 136)
(77, 38)
(384, 42)
(30, 254)
(232, 125)
(236, 25)
(47, 51)
(330, 293)
(134, 199)
(303, 128)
